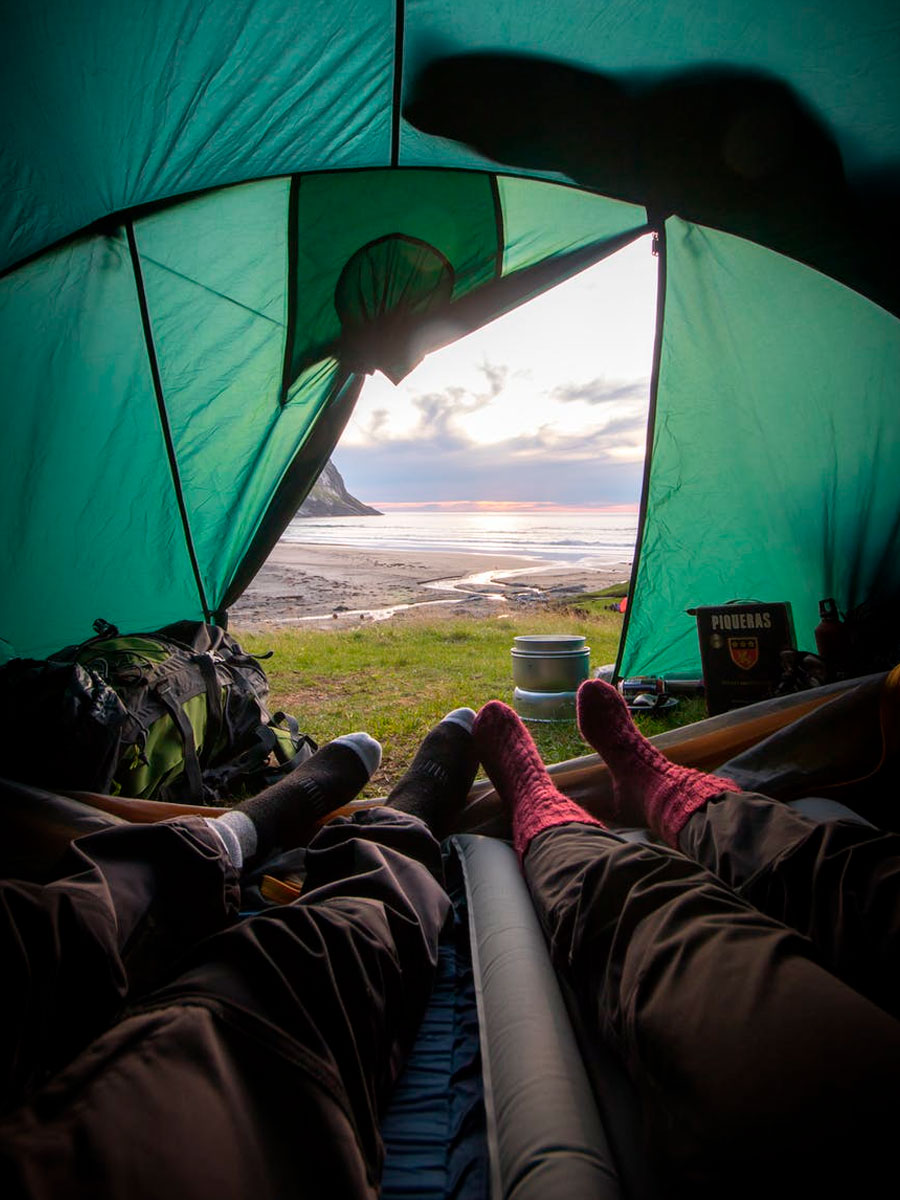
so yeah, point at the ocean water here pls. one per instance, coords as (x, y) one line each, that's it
(591, 539)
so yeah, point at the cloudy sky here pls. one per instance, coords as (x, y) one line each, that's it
(545, 406)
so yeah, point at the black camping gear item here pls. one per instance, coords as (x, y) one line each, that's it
(740, 649)
(178, 714)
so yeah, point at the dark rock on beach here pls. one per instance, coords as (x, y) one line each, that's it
(329, 498)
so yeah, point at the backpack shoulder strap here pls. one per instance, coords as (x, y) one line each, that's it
(191, 760)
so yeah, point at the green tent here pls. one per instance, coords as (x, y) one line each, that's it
(216, 219)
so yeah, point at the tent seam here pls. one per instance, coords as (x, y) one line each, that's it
(106, 225)
(399, 23)
(211, 290)
(291, 316)
(341, 391)
(500, 226)
(163, 413)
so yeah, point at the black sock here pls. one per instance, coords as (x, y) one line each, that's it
(438, 780)
(285, 813)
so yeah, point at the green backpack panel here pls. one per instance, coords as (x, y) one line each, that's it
(178, 714)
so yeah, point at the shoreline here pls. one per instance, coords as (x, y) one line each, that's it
(339, 586)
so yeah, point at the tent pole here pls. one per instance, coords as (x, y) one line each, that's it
(163, 415)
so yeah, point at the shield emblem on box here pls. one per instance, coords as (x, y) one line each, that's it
(744, 652)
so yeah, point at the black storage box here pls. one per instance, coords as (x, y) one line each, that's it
(740, 649)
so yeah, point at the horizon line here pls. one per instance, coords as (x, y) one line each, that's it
(501, 506)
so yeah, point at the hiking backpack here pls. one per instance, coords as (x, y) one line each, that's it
(178, 714)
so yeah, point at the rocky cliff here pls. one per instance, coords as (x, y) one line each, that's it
(329, 498)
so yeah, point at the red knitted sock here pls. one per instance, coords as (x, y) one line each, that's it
(514, 765)
(647, 788)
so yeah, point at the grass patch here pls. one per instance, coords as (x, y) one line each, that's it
(616, 589)
(588, 604)
(397, 678)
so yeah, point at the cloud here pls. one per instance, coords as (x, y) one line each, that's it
(602, 391)
(417, 475)
(631, 425)
(438, 437)
(440, 411)
(496, 377)
(595, 443)
(378, 421)
(431, 448)
(542, 466)
(437, 414)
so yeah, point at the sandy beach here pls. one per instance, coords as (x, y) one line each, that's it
(344, 585)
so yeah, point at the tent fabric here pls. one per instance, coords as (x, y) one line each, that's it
(775, 456)
(450, 218)
(165, 378)
(80, 429)
(215, 272)
(184, 186)
(107, 110)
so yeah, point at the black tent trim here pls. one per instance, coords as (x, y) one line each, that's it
(297, 481)
(501, 230)
(291, 321)
(163, 414)
(399, 26)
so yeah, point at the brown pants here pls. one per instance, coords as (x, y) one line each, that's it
(157, 1046)
(747, 984)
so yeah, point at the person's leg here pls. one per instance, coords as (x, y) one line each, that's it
(265, 1066)
(182, 1103)
(752, 1062)
(127, 901)
(438, 780)
(344, 974)
(836, 882)
(285, 814)
(648, 789)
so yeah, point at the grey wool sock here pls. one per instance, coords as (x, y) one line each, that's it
(283, 816)
(438, 780)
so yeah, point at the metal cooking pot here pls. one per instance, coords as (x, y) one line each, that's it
(547, 670)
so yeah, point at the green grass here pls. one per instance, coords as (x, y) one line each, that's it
(595, 603)
(397, 678)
